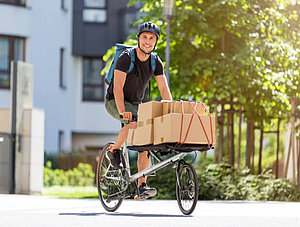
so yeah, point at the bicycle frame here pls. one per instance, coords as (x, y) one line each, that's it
(161, 164)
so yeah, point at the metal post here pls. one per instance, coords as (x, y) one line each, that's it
(168, 49)
(13, 126)
(168, 13)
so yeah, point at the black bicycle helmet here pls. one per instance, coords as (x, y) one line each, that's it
(149, 27)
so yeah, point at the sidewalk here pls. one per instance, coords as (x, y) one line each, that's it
(23, 210)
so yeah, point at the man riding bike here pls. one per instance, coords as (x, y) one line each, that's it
(127, 90)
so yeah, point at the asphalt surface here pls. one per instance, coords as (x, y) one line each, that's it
(22, 210)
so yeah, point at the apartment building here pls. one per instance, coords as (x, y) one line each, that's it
(65, 40)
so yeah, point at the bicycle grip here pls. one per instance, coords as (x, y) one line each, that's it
(134, 117)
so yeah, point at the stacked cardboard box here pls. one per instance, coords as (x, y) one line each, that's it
(174, 127)
(144, 133)
(172, 122)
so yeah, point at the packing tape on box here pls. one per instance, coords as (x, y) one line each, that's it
(144, 123)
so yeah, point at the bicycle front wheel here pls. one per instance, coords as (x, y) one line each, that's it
(187, 188)
(109, 182)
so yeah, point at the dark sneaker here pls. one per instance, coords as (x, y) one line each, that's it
(115, 158)
(145, 192)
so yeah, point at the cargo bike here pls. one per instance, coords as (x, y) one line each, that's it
(114, 184)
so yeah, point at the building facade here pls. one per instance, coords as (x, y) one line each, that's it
(65, 41)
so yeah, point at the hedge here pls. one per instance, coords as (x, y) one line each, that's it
(82, 175)
(216, 182)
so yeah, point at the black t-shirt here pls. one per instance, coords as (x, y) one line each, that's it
(137, 80)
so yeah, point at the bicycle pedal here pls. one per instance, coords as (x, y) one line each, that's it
(139, 198)
(126, 196)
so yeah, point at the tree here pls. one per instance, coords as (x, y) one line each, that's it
(222, 49)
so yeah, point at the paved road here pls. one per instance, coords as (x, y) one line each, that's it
(21, 210)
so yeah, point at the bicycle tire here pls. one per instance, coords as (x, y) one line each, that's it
(104, 185)
(186, 188)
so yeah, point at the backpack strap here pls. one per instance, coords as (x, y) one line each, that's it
(153, 62)
(132, 57)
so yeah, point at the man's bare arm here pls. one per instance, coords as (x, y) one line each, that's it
(119, 81)
(163, 87)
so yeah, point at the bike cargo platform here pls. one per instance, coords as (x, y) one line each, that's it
(171, 147)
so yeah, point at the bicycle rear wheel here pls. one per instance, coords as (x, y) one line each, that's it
(187, 188)
(110, 182)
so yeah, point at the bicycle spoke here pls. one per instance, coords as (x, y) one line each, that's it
(108, 182)
(186, 190)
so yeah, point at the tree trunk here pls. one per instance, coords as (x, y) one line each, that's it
(298, 149)
(221, 135)
(250, 144)
(240, 138)
(260, 148)
(277, 150)
(216, 143)
(230, 139)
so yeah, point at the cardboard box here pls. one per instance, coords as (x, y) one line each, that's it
(167, 129)
(142, 135)
(176, 107)
(129, 139)
(150, 110)
(167, 106)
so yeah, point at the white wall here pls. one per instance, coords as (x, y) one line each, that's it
(51, 30)
(48, 28)
(15, 20)
(20, 25)
(91, 117)
(80, 141)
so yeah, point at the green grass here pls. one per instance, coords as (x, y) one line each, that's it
(71, 192)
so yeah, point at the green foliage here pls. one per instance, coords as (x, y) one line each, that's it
(248, 50)
(164, 182)
(221, 181)
(77, 192)
(82, 175)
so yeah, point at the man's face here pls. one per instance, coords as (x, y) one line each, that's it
(147, 41)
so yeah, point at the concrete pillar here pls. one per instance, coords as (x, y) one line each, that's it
(29, 161)
(5, 151)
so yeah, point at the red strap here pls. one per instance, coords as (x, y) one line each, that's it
(200, 122)
(181, 121)
(188, 129)
(211, 128)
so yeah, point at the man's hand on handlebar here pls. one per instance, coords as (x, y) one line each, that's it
(126, 115)
(129, 116)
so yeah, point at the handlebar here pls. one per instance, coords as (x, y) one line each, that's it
(134, 118)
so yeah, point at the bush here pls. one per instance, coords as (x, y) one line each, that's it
(82, 175)
(165, 183)
(221, 181)
(216, 181)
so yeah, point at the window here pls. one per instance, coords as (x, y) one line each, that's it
(63, 4)
(11, 49)
(93, 82)
(61, 139)
(62, 82)
(14, 2)
(94, 11)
